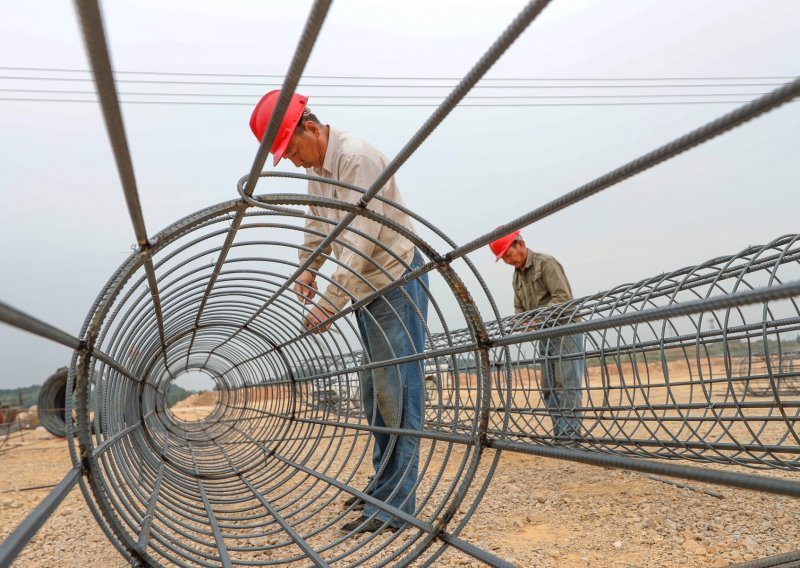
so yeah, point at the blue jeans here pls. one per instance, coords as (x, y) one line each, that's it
(393, 396)
(562, 382)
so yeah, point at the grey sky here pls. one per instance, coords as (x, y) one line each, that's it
(65, 227)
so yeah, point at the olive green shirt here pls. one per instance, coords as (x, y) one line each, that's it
(541, 282)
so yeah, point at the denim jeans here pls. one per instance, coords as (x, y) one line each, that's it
(562, 382)
(393, 396)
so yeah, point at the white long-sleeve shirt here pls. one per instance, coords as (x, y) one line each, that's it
(352, 160)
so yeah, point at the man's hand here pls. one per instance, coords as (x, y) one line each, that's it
(519, 323)
(305, 286)
(316, 316)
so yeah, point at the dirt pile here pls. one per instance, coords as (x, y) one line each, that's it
(202, 398)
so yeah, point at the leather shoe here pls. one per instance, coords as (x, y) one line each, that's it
(354, 502)
(363, 525)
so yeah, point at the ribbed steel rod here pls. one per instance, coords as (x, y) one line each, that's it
(19, 319)
(730, 479)
(517, 26)
(303, 51)
(25, 531)
(770, 101)
(97, 50)
(94, 38)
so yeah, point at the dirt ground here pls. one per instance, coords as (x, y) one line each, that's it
(71, 537)
(537, 512)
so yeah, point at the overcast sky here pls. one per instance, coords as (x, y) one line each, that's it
(63, 221)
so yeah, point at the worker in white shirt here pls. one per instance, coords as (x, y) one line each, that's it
(370, 256)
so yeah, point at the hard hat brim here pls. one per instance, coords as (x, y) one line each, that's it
(283, 143)
(262, 115)
(499, 256)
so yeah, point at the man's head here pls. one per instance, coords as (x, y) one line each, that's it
(300, 136)
(510, 249)
(517, 254)
(307, 146)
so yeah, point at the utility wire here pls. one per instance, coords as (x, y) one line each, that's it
(582, 96)
(385, 86)
(496, 105)
(400, 78)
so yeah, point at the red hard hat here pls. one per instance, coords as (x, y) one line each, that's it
(500, 246)
(263, 112)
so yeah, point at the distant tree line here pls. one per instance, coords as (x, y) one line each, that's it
(175, 394)
(11, 397)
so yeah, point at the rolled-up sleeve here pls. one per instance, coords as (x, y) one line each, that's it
(314, 235)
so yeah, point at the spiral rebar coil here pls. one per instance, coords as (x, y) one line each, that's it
(51, 401)
(287, 433)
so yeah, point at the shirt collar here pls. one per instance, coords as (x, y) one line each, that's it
(528, 261)
(331, 150)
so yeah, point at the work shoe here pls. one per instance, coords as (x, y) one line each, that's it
(363, 525)
(354, 502)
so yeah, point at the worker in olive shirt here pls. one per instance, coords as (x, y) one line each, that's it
(539, 281)
(370, 256)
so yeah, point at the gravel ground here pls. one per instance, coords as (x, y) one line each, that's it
(71, 537)
(536, 512)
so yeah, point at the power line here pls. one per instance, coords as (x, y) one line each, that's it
(384, 86)
(583, 96)
(494, 105)
(400, 78)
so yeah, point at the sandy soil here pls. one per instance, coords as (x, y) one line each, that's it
(537, 512)
(71, 537)
(196, 407)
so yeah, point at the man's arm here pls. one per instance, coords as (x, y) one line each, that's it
(306, 285)
(361, 171)
(312, 237)
(519, 307)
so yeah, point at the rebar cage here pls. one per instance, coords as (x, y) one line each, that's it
(699, 364)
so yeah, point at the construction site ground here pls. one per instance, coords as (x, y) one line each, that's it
(536, 512)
